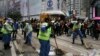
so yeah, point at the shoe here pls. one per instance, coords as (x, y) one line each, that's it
(5, 48)
(25, 43)
(73, 43)
(8, 47)
(83, 44)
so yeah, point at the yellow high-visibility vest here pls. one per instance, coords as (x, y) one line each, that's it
(4, 31)
(45, 35)
(7, 28)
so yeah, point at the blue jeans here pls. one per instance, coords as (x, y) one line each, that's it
(45, 47)
(77, 32)
(28, 38)
(6, 38)
(69, 32)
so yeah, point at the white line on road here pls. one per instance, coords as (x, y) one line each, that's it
(18, 48)
(21, 55)
(13, 52)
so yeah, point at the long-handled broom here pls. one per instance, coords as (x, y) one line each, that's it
(58, 51)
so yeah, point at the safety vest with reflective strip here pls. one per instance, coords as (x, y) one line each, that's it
(6, 29)
(45, 35)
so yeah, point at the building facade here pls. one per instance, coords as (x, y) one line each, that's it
(13, 5)
(32, 9)
(73, 7)
(3, 7)
(95, 7)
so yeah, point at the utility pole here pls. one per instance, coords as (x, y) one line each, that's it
(28, 12)
(80, 8)
(6, 7)
(70, 7)
(58, 4)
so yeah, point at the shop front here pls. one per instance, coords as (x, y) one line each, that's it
(96, 9)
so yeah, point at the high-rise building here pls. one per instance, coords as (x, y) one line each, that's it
(72, 5)
(14, 5)
(3, 7)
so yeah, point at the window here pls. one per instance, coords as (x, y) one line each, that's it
(97, 10)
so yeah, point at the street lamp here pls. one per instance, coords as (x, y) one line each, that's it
(28, 10)
(70, 8)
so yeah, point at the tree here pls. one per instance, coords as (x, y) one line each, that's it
(15, 15)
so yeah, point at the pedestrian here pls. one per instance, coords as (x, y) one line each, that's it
(23, 30)
(83, 30)
(58, 28)
(6, 31)
(44, 37)
(15, 28)
(70, 26)
(66, 27)
(0, 30)
(96, 30)
(29, 30)
(77, 31)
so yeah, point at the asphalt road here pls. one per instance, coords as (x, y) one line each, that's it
(18, 48)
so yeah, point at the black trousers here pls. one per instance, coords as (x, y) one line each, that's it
(24, 34)
(14, 34)
(96, 34)
(6, 45)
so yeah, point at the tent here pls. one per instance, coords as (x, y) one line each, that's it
(53, 12)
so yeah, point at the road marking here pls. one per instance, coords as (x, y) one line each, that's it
(13, 52)
(51, 53)
(72, 47)
(21, 55)
(18, 48)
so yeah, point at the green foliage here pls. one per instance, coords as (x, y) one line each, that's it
(15, 15)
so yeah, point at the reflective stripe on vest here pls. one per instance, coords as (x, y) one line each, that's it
(44, 35)
(4, 31)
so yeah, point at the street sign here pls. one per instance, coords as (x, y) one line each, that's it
(49, 4)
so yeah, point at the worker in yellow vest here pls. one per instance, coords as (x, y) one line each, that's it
(6, 31)
(77, 31)
(44, 37)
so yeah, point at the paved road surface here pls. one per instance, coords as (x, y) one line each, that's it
(18, 48)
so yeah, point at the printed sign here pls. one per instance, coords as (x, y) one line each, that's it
(49, 4)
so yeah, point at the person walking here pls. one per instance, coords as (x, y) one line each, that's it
(23, 30)
(44, 37)
(77, 31)
(15, 28)
(29, 29)
(6, 31)
(96, 29)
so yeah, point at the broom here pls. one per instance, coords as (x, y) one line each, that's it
(58, 51)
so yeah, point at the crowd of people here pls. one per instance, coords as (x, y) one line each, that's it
(80, 27)
(48, 29)
(60, 27)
